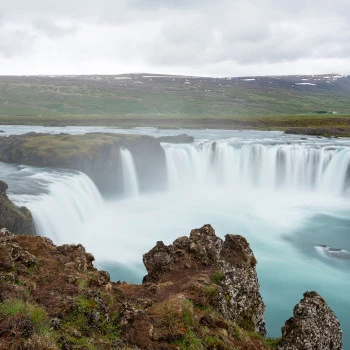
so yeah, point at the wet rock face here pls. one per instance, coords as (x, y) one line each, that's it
(16, 219)
(313, 327)
(230, 263)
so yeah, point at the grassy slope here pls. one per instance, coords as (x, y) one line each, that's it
(172, 101)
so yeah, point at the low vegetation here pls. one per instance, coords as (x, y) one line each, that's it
(265, 103)
(53, 298)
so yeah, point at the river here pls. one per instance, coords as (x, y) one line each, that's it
(288, 195)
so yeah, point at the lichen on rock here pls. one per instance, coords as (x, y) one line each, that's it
(313, 327)
(236, 295)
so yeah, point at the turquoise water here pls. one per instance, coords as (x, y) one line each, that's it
(286, 195)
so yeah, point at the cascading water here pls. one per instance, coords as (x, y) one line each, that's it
(70, 201)
(130, 181)
(284, 194)
(273, 167)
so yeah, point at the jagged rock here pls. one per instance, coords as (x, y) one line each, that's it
(231, 262)
(201, 292)
(77, 255)
(183, 138)
(136, 326)
(11, 253)
(17, 219)
(313, 327)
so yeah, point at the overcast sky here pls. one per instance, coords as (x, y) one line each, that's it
(190, 37)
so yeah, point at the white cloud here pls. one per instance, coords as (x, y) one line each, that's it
(194, 37)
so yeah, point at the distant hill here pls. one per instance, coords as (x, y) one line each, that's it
(151, 95)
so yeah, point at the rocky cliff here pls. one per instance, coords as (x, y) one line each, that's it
(16, 219)
(201, 292)
(95, 154)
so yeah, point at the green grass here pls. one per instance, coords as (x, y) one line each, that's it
(62, 97)
(270, 103)
(217, 277)
(35, 315)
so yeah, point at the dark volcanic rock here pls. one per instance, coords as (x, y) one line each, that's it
(313, 327)
(230, 263)
(183, 138)
(16, 219)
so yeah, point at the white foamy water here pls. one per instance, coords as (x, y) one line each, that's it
(229, 164)
(130, 180)
(285, 195)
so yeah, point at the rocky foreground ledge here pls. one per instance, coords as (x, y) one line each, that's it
(201, 292)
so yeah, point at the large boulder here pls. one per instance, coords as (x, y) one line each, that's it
(313, 327)
(17, 219)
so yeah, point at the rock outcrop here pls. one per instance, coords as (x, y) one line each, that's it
(201, 293)
(313, 327)
(95, 154)
(229, 263)
(16, 219)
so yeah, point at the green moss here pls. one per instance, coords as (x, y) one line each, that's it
(217, 277)
(247, 324)
(36, 315)
(187, 314)
(87, 319)
(190, 342)
(84, 304)
(212, 293)
(211, 342)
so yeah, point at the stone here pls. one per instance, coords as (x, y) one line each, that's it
(16, 219)
(237, 295)
(313, 326)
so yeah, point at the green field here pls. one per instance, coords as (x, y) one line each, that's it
(176, 101)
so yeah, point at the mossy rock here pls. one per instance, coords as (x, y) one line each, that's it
(16, 219)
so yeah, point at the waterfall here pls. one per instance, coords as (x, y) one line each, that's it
(226, 164)
(130, 181)
(71, 199)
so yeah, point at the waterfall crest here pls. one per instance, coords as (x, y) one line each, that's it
(130, 180)
(70, 201)
(282, 166)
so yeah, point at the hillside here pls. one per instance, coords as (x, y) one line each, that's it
(163, 95)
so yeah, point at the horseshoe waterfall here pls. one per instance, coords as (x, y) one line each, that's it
(290, 197)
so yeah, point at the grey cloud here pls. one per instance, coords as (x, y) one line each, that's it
(246, 34)
(51, 29)
(183, 33)
(15, 43)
